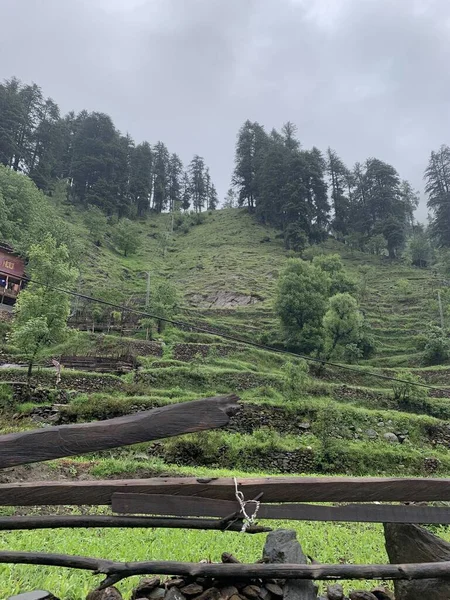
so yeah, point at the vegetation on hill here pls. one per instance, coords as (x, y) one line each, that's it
(304, 271)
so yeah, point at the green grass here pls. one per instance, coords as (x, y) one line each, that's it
(355, 543)
(226, 253)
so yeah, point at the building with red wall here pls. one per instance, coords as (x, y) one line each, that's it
(12, 276)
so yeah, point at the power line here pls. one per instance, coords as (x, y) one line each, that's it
(231, 338)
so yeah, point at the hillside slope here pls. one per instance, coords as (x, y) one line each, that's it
(335, 422)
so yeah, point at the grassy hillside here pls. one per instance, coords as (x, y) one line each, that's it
(339, 422)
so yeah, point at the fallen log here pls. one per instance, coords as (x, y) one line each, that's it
(69, 440)
(192, 506)
(106, 521)
(116, 571)
(275, 489)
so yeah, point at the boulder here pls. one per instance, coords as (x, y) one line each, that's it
(391, 438)
(414, 544)
(145, 587)
(382, 593)
(362, 595)
(174, 594)
(282, 547)
(109, 593)
(335, 592)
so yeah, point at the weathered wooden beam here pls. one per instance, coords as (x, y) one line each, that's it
(69, 440)
(116, 571)
(90, 521)
(275, 489)
(191, 506)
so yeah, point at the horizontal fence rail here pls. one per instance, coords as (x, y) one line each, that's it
(188, 506)
(274, 489)
(116, 571)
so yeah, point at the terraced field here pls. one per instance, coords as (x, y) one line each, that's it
(337, 422)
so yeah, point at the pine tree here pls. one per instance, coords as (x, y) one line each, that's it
(160, 177)
(197, 182)
(230, 199)
(437, 176)
(141, 177)
(339, 178)
(213, 199)
(186, 194)
(249, 149)
(288, 132)
(175, 182)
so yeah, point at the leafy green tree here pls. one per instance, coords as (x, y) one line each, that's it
(376, 244)
(403, 289)
(300, 304)
(295, 238)
(341, 281)
(437, 176)
(125, 236)
(418, 249)
(407, 392)
(295, 379)
(27, 215)
(164, 302)
(342, 323)
(41, 311)
(437, 346)
(96, 222)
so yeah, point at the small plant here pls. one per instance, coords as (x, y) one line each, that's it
(6, 397)
(403, 289)
(436, 349)
(324, 428)
(295, 379)
(407, 391)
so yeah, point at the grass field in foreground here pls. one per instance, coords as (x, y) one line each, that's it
(325, 542)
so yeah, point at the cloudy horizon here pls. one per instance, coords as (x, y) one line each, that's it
(367, 77)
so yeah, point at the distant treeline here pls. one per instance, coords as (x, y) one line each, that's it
(306, 194)
(103, 167)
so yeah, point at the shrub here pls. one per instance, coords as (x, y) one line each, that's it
(407, 392)
(436, 349)
(403, 288)
(6, 397)
(295, 379)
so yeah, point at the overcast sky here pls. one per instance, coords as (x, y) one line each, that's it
(366, 77)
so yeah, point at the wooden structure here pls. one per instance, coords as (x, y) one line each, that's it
(12, 276)
(210, 503)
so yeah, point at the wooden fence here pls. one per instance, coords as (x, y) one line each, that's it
(208, 503)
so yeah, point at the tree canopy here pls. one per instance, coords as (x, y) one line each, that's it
(103, 167)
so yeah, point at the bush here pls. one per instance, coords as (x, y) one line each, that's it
(6, 397)
(404, 290)
(437, 346)
(407, 393)
(295, 379)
